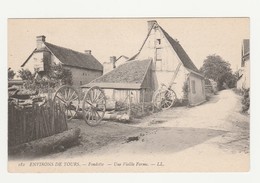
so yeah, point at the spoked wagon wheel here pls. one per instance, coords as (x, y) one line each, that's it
(69, 98)
(164, 99)
(94, 106)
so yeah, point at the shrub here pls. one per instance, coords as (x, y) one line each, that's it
(140, 110)
(246, 100)
(11, 74)
(46, 81)
(185, 89)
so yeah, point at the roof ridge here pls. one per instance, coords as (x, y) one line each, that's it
(181, 53)
(122, 65)
(139, 51)
(120, 68)
(74, 58)
(66, 48)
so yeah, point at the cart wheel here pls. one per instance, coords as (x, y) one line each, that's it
(94, 106)
(69, 98)
(164, 99)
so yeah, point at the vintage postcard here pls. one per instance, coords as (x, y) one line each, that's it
(129, 95)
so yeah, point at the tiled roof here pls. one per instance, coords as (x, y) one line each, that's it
(73, 58)
(185, 59)
(130, 74)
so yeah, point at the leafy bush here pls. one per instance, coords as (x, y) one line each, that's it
(140, 110)
(59, 73)
(185, 89)
(11, 74)
(25, 74)
(246, 100)
(46, 81)
(216, 68)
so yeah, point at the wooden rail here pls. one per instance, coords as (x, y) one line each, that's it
(27, 124)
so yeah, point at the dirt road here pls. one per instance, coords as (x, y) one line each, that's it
(211, 137)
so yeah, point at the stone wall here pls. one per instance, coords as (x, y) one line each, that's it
(83, 76)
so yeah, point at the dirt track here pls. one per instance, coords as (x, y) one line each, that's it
(214, 133)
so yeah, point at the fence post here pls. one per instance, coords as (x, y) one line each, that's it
(129, 111)
(143, 91)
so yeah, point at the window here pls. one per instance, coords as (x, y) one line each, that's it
(193, 87)
(158, 41)
(158, 54)
(158, 63)
(80, 82)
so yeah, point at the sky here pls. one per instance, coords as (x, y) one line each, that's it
(199, 37)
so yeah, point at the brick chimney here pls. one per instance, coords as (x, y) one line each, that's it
(88, 52)
(113, 61)
(150, 24)
(39, 41)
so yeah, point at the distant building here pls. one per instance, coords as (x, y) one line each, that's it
(211, 86)
(244, 71)
(159, 59)
(114, 62)
(121, 60)
(83, 66)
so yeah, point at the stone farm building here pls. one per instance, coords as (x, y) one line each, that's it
(159, 59)
(132, 78)
(83, 66)
(244, 71)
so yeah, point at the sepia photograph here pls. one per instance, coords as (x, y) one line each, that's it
(129, 94)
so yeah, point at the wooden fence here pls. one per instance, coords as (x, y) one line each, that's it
(27, 124)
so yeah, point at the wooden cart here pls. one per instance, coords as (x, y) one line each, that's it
(165, 97)
(92, 104)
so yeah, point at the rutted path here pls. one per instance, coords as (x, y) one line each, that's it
(211, 137)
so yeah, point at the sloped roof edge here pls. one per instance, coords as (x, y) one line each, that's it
(93, 63)
(183, 56)
(114, 85)
(111, 77)
(69, 57)
(28, 58)
(133, 57)
(195, 72)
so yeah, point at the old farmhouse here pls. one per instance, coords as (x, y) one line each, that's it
(83, 66)
(160, 59)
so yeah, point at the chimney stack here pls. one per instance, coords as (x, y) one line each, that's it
(39, 41)
(113, 61)
(150, 24)
(88, 52)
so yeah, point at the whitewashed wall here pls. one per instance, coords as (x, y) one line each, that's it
(244, 81)
(196, 94)
(35, 61)
(170, 61)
